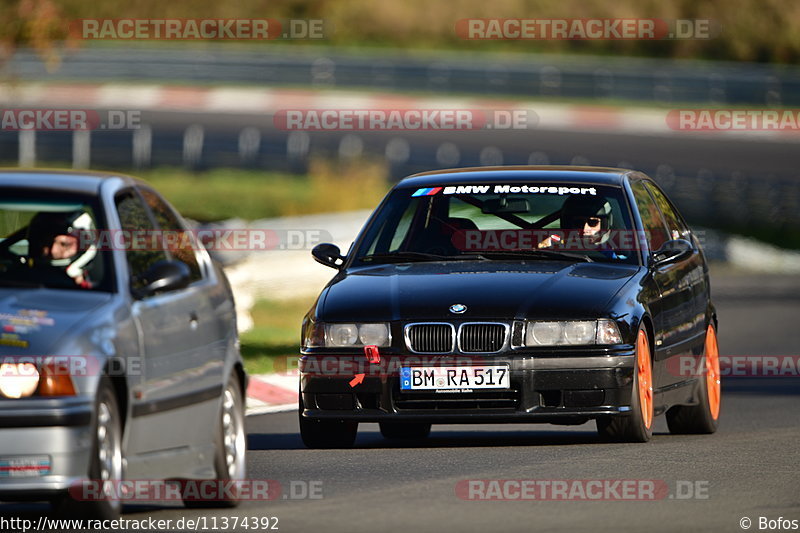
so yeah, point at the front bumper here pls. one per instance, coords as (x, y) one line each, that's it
(55, 430)
(547, 389)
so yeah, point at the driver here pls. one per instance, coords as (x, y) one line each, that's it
(59, 240)
(591, 220)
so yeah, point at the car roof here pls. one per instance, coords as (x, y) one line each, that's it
(75, 181)
(514, 174)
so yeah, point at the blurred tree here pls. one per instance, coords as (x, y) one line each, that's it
(37, 24)
(750, 30)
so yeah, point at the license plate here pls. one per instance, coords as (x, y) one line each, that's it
(455, 378)
(24, 465)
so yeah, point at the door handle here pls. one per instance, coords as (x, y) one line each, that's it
(193, 322)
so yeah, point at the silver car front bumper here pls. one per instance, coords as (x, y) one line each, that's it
(53, 432)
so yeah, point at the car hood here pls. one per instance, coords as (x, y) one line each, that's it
(35, 322)
(489, 289)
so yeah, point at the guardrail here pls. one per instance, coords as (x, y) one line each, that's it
(736, 200)
(634, 79)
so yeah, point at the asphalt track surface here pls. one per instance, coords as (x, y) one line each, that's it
(749, 468)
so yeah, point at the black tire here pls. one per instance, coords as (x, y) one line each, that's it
(405, 430)
(105, 462)
(696, 419)
(230, 448)
(326, 434)
(632, 428)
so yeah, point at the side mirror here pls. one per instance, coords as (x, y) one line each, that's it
(672, 252)
(328, 254)
(164, 276)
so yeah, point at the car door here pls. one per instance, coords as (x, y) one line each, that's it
(695, 275)
(179, 384)
(673, 308)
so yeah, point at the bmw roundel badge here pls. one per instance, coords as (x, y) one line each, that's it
(458, 308)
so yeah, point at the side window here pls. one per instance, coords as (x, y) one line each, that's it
(677, 228)
(181, 247)
(134, 219)
(651, 217)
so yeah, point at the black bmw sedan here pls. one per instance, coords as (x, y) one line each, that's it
(513, 294)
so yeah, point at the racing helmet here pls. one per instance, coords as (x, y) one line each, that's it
(45, 226)
(578, 208)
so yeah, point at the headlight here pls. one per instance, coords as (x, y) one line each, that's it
(18, 380)
(572, 332)
(373, 334)
(544, 333)
(580, 332)
(344, 335)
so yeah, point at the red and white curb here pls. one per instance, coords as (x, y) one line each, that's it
(272, 393)
(254, 100)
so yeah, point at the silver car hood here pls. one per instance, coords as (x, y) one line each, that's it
(34, 321)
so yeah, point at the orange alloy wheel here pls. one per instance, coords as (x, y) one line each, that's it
(645, 379)
(712, 372)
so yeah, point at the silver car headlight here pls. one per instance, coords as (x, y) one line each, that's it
(18, 380)
(572, 332)
(366, 334)
(42, 376)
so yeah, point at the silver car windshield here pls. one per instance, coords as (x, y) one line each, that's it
(50, 241)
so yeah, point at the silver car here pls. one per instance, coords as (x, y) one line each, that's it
(119, 357)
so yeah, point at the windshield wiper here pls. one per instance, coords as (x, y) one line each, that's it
(418, 256)
(545, 254)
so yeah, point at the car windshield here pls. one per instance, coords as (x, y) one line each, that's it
(498, 221)
(47, 239)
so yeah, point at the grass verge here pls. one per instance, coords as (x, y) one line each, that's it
(273, 344)
(252, 194)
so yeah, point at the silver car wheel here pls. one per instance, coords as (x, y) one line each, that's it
(109, 451)
(233, 435)
(109, 454)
